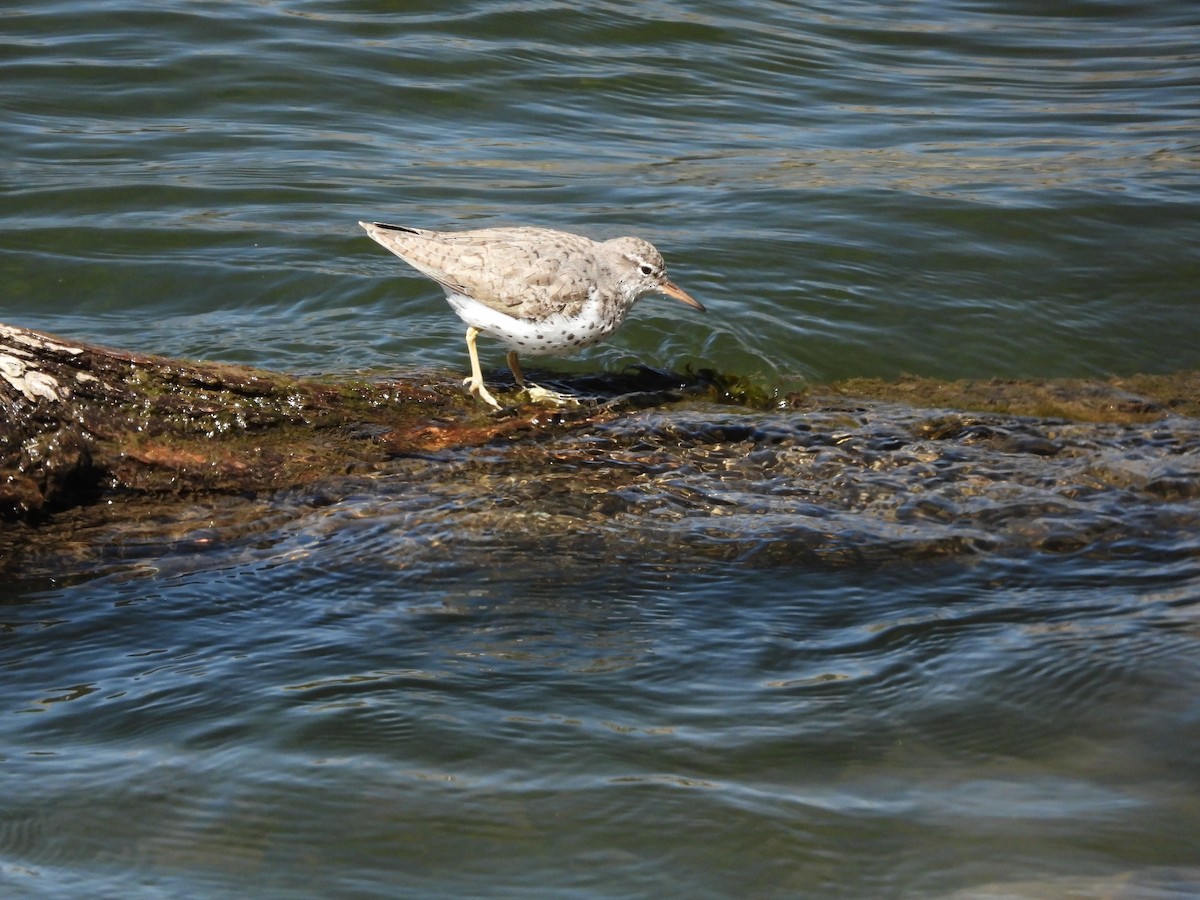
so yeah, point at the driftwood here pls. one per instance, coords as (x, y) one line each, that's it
(80, 422)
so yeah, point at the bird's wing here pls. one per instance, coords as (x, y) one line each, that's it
(521, 272)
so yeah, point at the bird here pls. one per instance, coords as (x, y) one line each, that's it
(536, 290)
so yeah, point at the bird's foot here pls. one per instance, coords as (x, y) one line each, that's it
(538, 394)
(478, 390)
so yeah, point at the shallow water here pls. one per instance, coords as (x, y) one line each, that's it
(643, 732)
(822, 655)
(852, 652)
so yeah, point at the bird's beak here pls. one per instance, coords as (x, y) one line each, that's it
(671, 289)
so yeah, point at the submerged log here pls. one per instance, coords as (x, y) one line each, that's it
(81, 422)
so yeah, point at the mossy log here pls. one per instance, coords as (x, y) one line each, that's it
(80, 422)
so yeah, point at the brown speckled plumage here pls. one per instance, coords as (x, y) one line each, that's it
(536, 290)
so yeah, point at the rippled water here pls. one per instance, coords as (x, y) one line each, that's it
(836, 658)
(980, 189)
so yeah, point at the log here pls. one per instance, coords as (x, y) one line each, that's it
(80, 422)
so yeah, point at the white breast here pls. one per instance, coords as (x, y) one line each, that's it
(557, 335)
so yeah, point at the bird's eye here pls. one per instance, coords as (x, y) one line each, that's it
(645, 269)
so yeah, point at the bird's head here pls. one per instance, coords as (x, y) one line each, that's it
(640, 271)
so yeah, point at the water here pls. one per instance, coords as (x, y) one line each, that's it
(383, 691)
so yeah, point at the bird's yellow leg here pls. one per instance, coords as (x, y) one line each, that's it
(515, 365)
(537, 394)
(475, 382)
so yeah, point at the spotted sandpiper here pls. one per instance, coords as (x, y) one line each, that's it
(537, 291)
